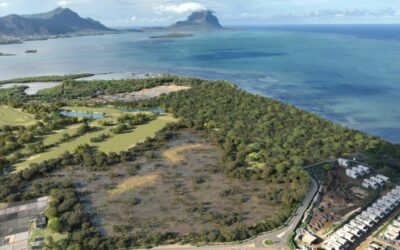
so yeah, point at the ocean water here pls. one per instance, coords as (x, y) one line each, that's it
(348, 74)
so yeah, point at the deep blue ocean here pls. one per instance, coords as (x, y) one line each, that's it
(347, 73)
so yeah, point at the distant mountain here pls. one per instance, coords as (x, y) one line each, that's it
(199, 20)
(54, 23)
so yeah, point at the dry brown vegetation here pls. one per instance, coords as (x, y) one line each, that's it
(135, 182)
(177, 154)
(178, 188)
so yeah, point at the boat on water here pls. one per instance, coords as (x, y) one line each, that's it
(31, 51)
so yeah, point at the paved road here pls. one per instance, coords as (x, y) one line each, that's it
(279, 237)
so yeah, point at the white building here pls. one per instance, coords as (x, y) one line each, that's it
(370, 216)
(379, 181)
(384, 209)
(344, 162)
(382, 177)
(359, 226)
(376, 182)
(352, 173)
(364, 169)
(386, 203)
(367, 183)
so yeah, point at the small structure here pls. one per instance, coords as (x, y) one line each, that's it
(309, 238)
(359, 171)
(382, 177)
(344, 163)
(40, 221)
(367, 183)
(376, 182)
(37, 245)
(365, 169)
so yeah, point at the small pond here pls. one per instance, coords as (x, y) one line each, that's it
(152, 110)
(70, 113)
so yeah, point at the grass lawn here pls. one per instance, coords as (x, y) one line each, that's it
(36, 232)
(57, 135)
(116, 143)
(11, 116)
(124, 141)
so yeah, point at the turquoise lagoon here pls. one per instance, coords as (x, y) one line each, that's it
(348, 74)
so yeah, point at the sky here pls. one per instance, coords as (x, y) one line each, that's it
(230, 12)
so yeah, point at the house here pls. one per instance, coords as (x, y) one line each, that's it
(367, 183)
(396, 223)
(390, 236)
(385, 203)
(37, 245)
(364, 169)
(380, 208)
(370, 216)
(382, 177)
(394, 229)
(395, 193)
(392, 199)
(349, 237)
(41, 221)
(366, 221)
(378, 213)
(353, 173)
(344, 163)
(379, 181)
(356, 232)
(359, 226)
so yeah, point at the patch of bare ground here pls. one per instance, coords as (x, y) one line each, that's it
(140, 95)
(341, 196)
(178, 188)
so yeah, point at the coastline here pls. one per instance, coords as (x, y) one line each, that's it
(319, 111)
(21, 40)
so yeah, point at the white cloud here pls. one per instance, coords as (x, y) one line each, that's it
(181, 8)
(4, 4)
(64, 3)
(133, 19)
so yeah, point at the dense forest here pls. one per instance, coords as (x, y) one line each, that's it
(261, 132)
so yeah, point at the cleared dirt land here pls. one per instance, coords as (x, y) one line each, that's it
(141, 94)
(174, 189)
(341, 196)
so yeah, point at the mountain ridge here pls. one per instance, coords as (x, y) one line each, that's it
(60, 21)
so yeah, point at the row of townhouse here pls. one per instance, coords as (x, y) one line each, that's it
(358, 171)
(392, 232)
(358, 227)
(352, 171)
(375, 182)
